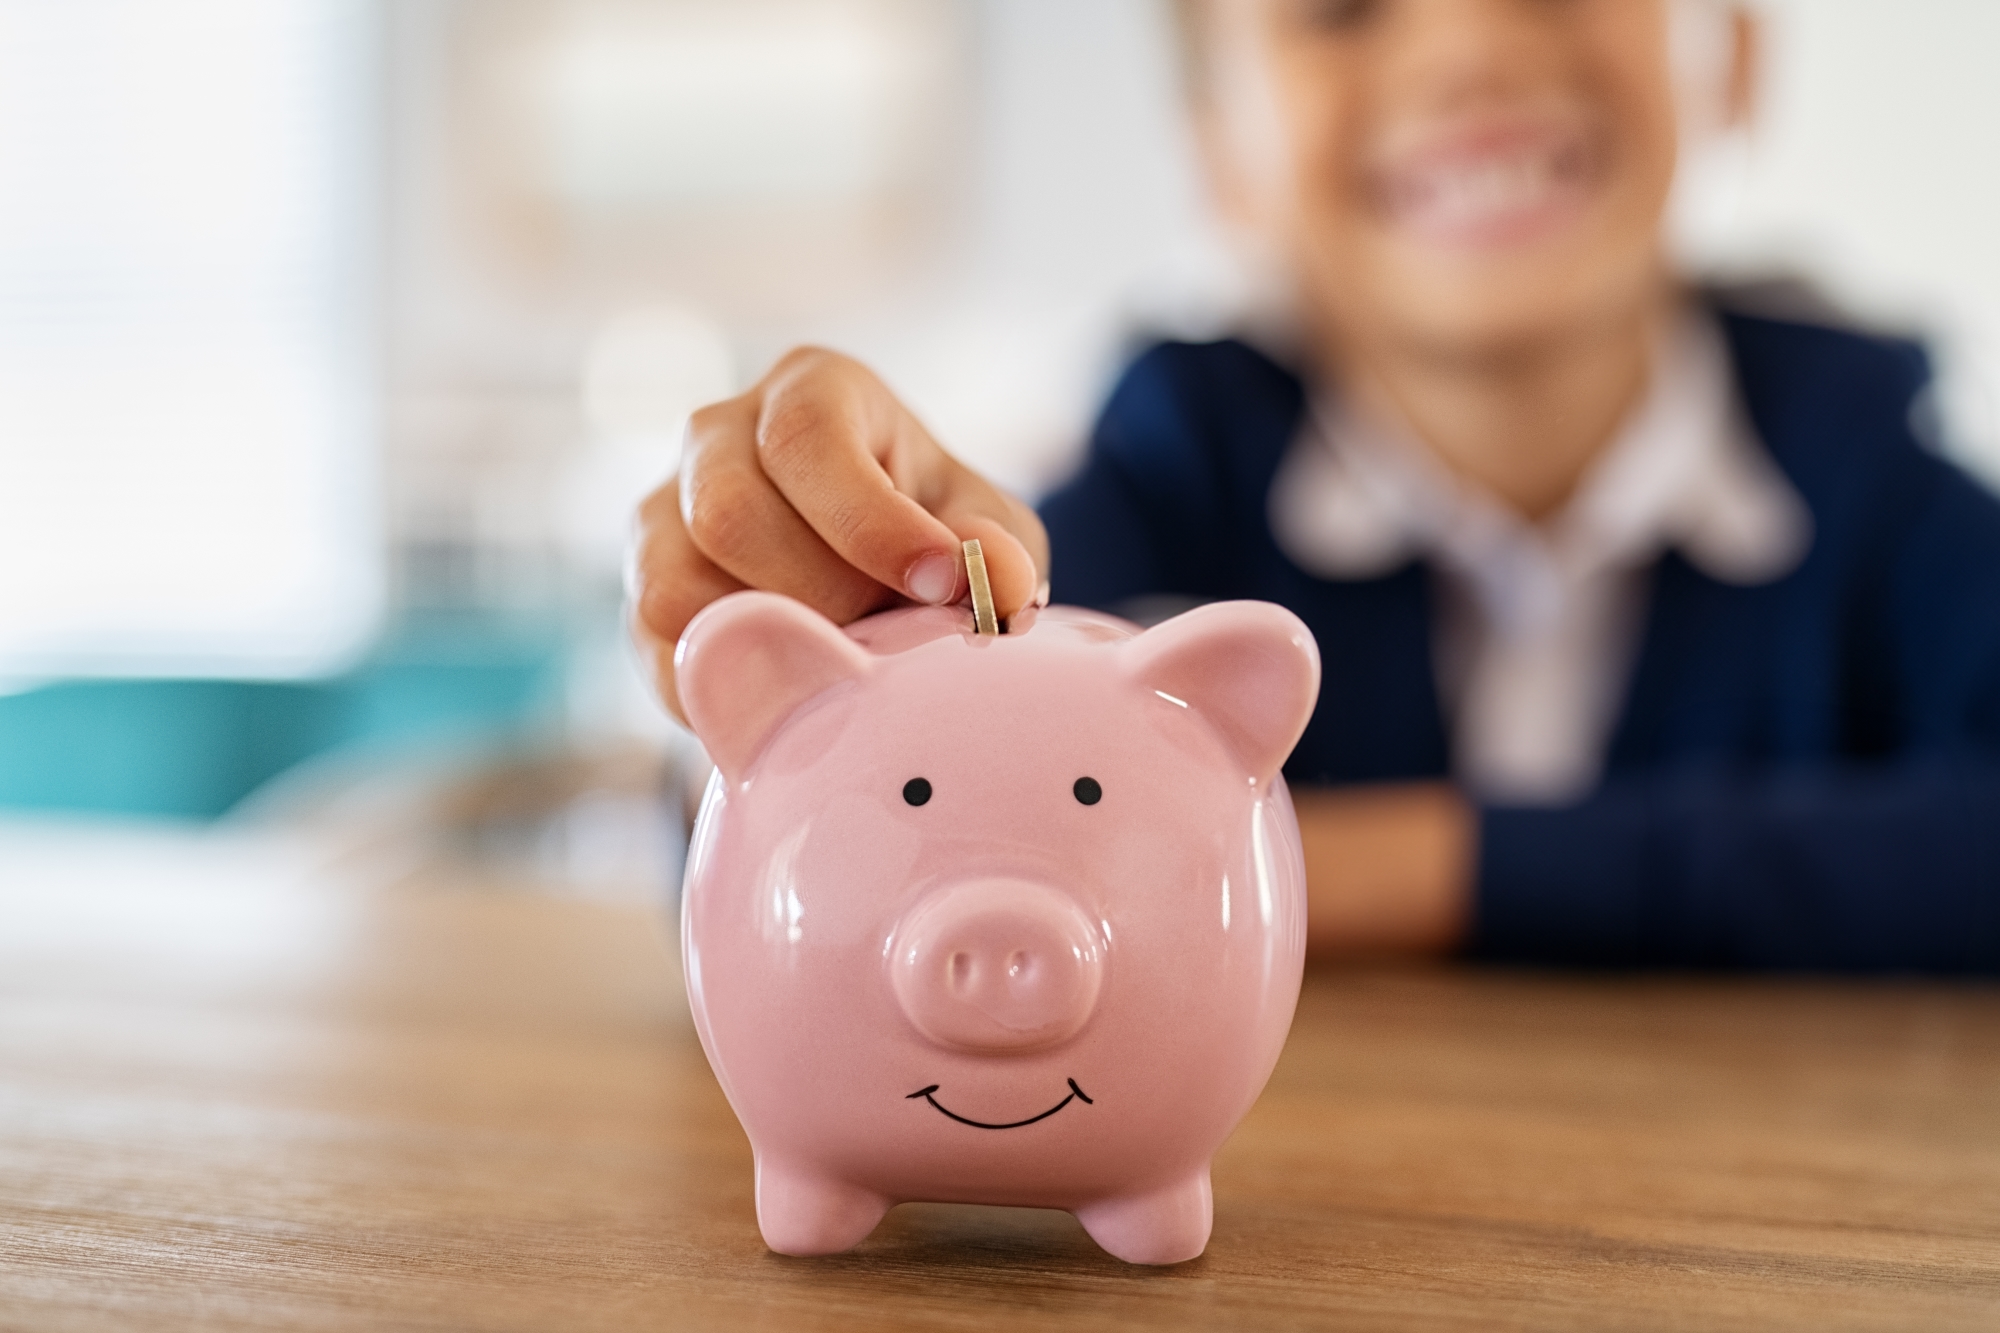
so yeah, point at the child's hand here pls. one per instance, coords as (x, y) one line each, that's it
(818, 484)
(1389, 869)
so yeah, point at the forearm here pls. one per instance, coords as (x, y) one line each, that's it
(1858, 868)
(1389, 869)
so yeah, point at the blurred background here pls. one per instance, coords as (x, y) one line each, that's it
(338, 339)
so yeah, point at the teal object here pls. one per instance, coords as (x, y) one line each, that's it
(194, 748)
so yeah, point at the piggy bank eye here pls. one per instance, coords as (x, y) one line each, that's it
(1087, 791)
(916, 791)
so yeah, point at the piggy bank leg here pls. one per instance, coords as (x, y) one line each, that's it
(803, 1212)
(1163, 1226)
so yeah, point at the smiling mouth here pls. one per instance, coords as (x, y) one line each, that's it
(1075, 1094)
(1490, 189)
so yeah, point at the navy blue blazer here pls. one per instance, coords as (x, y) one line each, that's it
(1805, 774)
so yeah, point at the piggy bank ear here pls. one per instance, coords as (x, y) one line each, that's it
(1250, 668)
(748, 661)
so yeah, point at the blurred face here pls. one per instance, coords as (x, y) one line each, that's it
(1452, 177)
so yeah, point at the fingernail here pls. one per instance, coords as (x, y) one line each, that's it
(933, 579)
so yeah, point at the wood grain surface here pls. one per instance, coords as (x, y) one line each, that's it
(237, 1094)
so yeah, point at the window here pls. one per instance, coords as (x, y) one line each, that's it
(186, 413)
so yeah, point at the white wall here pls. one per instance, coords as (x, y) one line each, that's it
(1875, 167)
(1085, 223)
(186, 444)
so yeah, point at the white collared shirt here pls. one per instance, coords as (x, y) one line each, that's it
(1538, 624)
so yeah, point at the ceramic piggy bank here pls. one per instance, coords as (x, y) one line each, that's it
(1011, 919)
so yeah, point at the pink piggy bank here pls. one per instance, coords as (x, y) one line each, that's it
(1010, 919)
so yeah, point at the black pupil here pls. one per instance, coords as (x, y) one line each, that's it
(916, 791)
(1088, 791)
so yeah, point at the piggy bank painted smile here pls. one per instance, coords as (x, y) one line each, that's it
(1010, 919)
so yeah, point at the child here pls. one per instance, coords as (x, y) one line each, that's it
(1652, 633)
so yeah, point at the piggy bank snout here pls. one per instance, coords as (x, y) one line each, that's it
(997, 965)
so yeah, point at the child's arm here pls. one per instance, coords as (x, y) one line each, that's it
(1851, 868)
(819, 484)
(1389, 868)
(1854, 868)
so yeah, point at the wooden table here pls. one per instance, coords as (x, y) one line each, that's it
(237, 1094)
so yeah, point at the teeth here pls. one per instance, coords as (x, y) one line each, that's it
(1483, 191)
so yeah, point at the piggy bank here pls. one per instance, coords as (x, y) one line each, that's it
(1012, 919)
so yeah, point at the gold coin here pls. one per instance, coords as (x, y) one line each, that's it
(983, 619)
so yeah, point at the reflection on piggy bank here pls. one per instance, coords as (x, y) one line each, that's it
(1003, 920)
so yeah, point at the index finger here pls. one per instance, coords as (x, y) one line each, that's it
(851, 460)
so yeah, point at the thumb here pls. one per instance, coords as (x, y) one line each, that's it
(1010, 537)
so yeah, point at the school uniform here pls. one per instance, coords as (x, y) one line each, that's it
(1737, 706)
